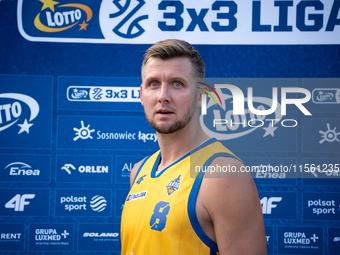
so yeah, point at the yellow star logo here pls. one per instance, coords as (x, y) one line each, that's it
(83, 25)
(48, 4)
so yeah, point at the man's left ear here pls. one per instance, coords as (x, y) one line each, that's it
(200, 92)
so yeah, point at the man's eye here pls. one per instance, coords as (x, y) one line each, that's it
(153, 84)
(177, 84)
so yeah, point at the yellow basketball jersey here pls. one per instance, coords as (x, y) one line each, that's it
(159, 213)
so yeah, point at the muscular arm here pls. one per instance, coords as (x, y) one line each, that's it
(231, 212)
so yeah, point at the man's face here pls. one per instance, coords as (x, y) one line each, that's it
(169, 93)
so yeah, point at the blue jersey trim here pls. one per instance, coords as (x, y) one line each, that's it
(155, 166)
(204, 144)
(140, 168)
(212, 252)
(192, 205)
(208, 162)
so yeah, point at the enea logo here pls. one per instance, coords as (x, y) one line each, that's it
(12, 108)
(20, 168)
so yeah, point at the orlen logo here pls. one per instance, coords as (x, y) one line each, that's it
(12, 108)
(54, 17)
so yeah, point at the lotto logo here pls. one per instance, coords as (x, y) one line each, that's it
(11, 112)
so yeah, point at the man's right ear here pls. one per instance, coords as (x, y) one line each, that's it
(140, 94)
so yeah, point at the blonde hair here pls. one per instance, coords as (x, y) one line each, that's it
(173, 48)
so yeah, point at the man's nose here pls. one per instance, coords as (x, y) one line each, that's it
(164, 94)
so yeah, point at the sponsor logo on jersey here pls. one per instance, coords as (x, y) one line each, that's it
(140, 179)
(173, 185)
(137, 195)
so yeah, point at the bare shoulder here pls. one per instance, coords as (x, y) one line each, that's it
(233, 207)
(134, 171)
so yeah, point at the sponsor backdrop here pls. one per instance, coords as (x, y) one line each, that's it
(72, 127)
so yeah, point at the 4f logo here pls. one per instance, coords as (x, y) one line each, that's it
(269, 203)
(134, 29)
(18, 202)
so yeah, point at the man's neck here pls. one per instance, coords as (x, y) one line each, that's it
(176, 145)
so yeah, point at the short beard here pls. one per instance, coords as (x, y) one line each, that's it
(175, 126)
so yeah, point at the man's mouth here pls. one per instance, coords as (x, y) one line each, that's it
(164, 112)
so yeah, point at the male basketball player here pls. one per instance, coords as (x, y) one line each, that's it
(171, 209)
